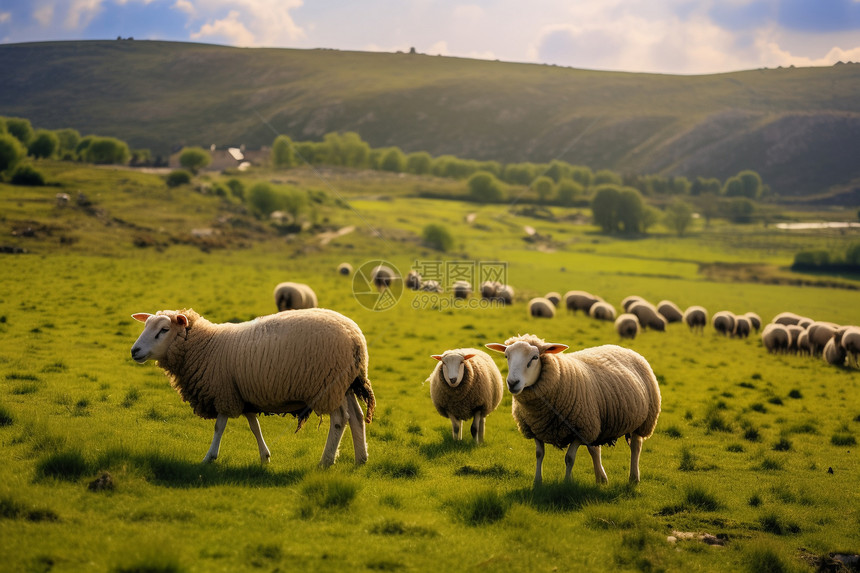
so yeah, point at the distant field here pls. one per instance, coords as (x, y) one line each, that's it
(743, 450)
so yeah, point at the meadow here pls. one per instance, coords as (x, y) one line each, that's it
(758, 451)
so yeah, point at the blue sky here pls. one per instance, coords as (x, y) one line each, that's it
(666, 36)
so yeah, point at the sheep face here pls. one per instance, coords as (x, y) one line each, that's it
(453, 367)
(158, 334)
(524, 362)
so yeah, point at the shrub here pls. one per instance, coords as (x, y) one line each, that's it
(263, 199)
(678, 216)
(568, 191)
(484, 187)
(105, 150)
(11, 152)
(437, 237)
(20, 128)
(178, 177)
(543, 186)
(45, 144)
(29, 176)
(419, 163)
(194, 158)
(282, 152)
(393, 160)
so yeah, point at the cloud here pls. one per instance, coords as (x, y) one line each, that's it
(247, 23)
(229, 30)
(469, 12)
(5, 17)
(80, 13)
(44, 15)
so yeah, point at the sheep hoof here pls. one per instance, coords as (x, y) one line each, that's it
(209, 459)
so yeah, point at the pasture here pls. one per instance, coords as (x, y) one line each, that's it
(758, 451)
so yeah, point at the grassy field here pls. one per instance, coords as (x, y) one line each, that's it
(757, 450)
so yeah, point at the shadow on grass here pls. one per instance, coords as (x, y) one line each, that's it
(570, 496)
(447, 444)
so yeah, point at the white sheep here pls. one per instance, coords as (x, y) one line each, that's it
(787, 318)
(755, 320)
(489, 289)
(696, 318)
(591, 397)
(382, 276)
(579, 300)
(541, 307)
(465, 384)
(743, 327)
(462, 289)
(670, 311)
(413, 280)
(431, 286)
(344, 269)
(820, 333)
(775, 337)
(293, 296)
(648, 315)
(724, 322)
(505, 293)
(602, 310)
(833, 352)
(794, 332)
(297, 362)
(627, 325)
(851, 344)
(629, 301)
(553, 297)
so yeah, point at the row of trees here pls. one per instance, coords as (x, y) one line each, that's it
(819, 260)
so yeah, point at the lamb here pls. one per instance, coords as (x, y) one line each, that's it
(627, 325)
(591, 397)
(553, 297)
(670, 311)
(298, 362)
(293, 296)
(648, 315)
(462, 289)
(466, 383)
(743, 326)
(775, 338)
(413, 280)
(579, 300)
(602, 310)
(540, 307)
(696, 317)
(344, 269)
(755, 320)
(724, 322)
(382, 276)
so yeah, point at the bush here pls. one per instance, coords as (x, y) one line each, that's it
(104, 150)
(678, 216)
(393, 160)
(237, 188)
(45, 144)
(282, 152)
(68, 138)
(484, 187)
(194, 158)
(420, 163)
(568, 191)
(263, 199)
(29, 176)
(437, 237)
(543, 186)
(20, 128)
(178, 177)
(11, 152)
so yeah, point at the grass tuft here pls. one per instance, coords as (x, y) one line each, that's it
(843, 440)
(398, 469)
(68, 465)
(12, 509)
(764, 559)
(481, 508)
(773, 523)
(393, 527)
(325, 492)
(6, 418)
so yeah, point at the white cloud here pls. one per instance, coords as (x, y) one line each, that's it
(439, 48)
(228, 29)
(5, 17)
(184, 6)
(248, 22)
(44, 15)
(80, 13)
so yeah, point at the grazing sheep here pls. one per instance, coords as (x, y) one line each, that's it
(833, 352)
(579, 300)
(462, 289)
(505, 293)
(466, 384)
(787, 318)
(627, 325)
(602, 310)
(819, 333)
(803, 342)
(553, 297)
(794, 332)
(630, 301)
(670, 311)
(431, 286)
(489, 289)
(851, 344)
(755, 320)
(775, 338)
(293, 296)
(724, 322)
(696, 318)
(743, 327)
(344, 269)
(591, 397)
(413, 280)
(805, 322)
(382, 276)
(540, 307)
(298, 362)
(648, 316)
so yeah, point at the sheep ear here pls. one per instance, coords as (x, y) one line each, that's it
(468, 356)
(182, 320)
(553, 348)
(141, 316)
(496, 346)
(436, 356)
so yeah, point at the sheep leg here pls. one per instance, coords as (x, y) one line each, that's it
(254, 424)
(337, 419)
(456, 428)
(220, 425)
(569, 458)
(635, 450)
(599, 472)
(477, 428)
(539, 452)
(356, 426)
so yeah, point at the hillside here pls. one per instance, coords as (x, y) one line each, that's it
(797, 127)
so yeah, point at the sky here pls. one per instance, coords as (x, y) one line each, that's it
(655, 36)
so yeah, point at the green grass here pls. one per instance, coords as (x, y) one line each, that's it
(725, 458)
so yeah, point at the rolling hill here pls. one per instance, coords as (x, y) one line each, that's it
(799, 128)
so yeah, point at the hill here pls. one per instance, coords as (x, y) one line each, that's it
(797, 127)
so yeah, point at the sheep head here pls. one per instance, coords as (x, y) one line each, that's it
(158, 334)
(524, 359)
(453, 366)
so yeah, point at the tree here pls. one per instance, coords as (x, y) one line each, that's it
(419, 163)
(178, 177)
(20, 128)
(141, 157)
(701, 186)
(582, 175)
(263, 199)
(751, 182)
(604, 207)
(484, 187)
(68, 138)
(294, 202)
(437, 237)
(519, 173)
(282, 152)
(558, 170)
(11, 152)
(606, 176)
(393, 160)
(739, 209)
(678, 216)
(568, 191)
(194, 158)
(44, 144)
(347, 149)
(105, 150)
(630, 211)
(543, 187)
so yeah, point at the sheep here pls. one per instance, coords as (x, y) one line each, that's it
(819, 333)
(591, 397)
(648, 315)
(505, 293)
(775, 337)
(743, 326)
(413, 280)
(724, 322)
(431, 286)
(833, 352)
(755, 320)
(627, 325)
(344, 269)
(292, 296)
(696, 318)
(382, 276)
(462, 289)
(602, 310)
(489, 289)
(553, 297)
(630, 301)
(298, 362)
(851, 344)
(803, 342)
(670, 311)
(794, 332)
(540, 307)
(579, 300)
(787, 318)
(466, 383)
